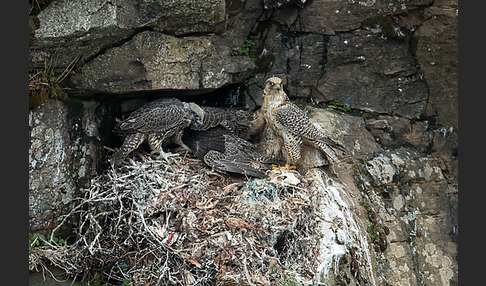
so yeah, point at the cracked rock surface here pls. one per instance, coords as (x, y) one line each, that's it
(380, 77)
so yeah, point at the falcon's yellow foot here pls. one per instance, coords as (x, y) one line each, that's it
(290, 167)
(286, 167)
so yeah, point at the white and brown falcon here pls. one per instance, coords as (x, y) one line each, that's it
(292, 126)
(158, 121)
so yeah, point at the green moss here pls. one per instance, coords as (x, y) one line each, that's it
(288, 281)
(282, 277)
(376, 232)
(371, 230)
(389, 30)
(340, 107)
(365, 205)
(285, 279)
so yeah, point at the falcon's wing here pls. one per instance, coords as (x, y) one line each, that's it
(231, 119)
(239, 148)
(213, 116)
(222, 163)
(292, 118)
(225, 152)
(159, 116)
(203, 142)
(298, 123)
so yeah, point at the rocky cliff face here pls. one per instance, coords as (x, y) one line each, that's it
(387, 69)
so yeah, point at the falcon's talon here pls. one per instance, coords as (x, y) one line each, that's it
(166, 156)
(290, 167)
(163, 155)
(286, 167)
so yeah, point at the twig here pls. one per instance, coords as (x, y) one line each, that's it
(68, 69)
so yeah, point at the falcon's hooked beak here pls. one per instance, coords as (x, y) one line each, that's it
(273, 83)
(197, 112)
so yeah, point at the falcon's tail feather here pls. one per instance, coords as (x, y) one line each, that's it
(328, 151)
(333, 144)
(131, 142)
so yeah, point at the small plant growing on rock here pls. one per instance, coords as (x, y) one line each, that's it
(43, 83)
(38, 240)
(245, 48)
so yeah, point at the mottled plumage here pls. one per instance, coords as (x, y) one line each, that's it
(255, 125)
(226, 152)
(234, 120)
(156, 122)
(291, 125)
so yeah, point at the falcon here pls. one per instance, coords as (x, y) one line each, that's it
(227, 153)
(292, 126)
(158, 121)
(234, 120)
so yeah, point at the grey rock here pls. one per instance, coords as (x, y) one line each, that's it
(156, 61)
(395, 131)
(185, 16)
(348, 130)
(411, 198)
(61, 163)
(369, 73)
(394, 62)
(275, 4)
(437, 55)
(298, 58)
(330, 17)
(403, 166)
(444, 147)
(360, 69)
(84, 29)
(69, 30)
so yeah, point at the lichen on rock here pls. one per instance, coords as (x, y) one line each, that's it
(59, 164)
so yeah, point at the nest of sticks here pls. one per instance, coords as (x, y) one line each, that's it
(150, 222)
